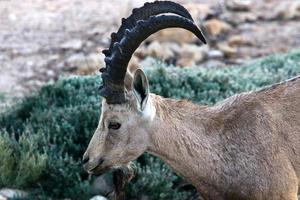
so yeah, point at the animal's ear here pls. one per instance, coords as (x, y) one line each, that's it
(140, 88)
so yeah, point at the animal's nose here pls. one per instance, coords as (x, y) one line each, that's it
(85, 159)
(101, 160)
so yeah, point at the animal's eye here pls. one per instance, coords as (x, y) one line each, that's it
(114, 125)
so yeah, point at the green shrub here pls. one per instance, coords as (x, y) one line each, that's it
(21, 162)
(62, 117)
(155, 180)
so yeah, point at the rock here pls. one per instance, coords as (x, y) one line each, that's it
(215, 27)
(74, 44)
(76, 60)
(227, 50)
(86, 64)
(50, 73)
(95, 31)
(215, 54)
(165, 50)
(174, 47)
(179, 36)
(288, 10)
(191, 54)
(198, 10)
(98, 197)
(239, 5)
(213, 63)
(239, 18)
(156, 49)
(238, 40)
(7, 193)
(148, 62)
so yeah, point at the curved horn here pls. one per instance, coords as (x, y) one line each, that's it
(116, 65)
(144, 12)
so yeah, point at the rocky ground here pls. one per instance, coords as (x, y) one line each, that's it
(43, 39)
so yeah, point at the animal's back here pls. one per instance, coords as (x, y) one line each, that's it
(261, 142)
(283, 103)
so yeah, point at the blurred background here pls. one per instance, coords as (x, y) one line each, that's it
(42, 40)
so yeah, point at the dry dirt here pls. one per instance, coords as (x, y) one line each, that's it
(43, 39)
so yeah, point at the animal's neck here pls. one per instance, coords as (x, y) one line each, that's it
(180, 137)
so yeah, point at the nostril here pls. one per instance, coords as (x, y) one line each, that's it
(85, 160)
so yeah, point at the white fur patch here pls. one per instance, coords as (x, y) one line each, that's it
(149, 111)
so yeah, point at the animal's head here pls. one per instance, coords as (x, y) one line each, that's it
(127, 110)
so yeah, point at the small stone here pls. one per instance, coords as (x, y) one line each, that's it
(148, 62)
(156, 49)
(227, 50)
(60, 66)
(76, 60)
(239, 5)
(179, 36)
(215, 27)
(215, 54)
(7, 193)
(191, 54)
(238, 40)
(3, 197)
(54, 57)
(98, 197)
(213, 63)
(30, 63)
(239, 18)
(288, 10)
(174, 47)
(12, 17)
(198, 10)
(95, 31)
(74, 44)
(185, 62)
(86, 64)
(50, 73)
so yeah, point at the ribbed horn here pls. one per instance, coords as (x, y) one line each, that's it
(144, 12)
(116, 64)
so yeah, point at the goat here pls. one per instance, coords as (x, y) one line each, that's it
(245, 147)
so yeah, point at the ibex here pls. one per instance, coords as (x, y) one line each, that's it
(246, 147)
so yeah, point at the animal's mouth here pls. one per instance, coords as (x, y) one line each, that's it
(99, 170)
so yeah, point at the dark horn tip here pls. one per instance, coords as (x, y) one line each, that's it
(201, 37)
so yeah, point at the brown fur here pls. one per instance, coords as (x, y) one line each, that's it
(245, 147)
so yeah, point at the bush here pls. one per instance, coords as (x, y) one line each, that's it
(61, 119)
(21, 162)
